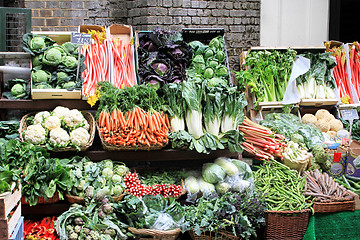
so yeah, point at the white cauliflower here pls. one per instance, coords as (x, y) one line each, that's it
(35, 134)
(74, 118)
(40, 116)
(61, 112)
(80, 137)
(86, 125)
(52, 122)
(59, 137)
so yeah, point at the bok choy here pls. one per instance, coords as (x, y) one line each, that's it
(175, 105)
(213, 108)
(192, 92)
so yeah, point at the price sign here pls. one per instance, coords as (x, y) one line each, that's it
(349, 114)
(80, 38)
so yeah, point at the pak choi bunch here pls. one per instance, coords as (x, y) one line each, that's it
(213, 109)
(192, 94)
(234, 104)
(174, 105)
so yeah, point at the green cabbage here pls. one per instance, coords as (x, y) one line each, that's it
(68, 85)
(191, 185)
(229, 167)
(70, 62)
(205, 187)
(244, 169)
(40, 76)
(37, 43)
(213, 173)
(37, 60)
(53, 56)
(209, 73)
(222, 187)
(18, 90)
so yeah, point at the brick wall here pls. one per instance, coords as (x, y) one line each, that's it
(239, 18)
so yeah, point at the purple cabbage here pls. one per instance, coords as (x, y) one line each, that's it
(163, 57)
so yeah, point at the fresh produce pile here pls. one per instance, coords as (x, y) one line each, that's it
(42, 229)
(56, 129)
(350, 184)
(95, 220)
(238, 214)
(132, 116)
(289, 125)
(214, 107)
(41, 176)
(9, 129)
(317, 83)
(325, 122)
(150, 212)
(53, 65)
(261, 141)
(296, 157)
(281, 187)
(17, 89)
(163, 57)
(340, 75)
(222, 176)
(135, 187)
(322, 188)
(7, 178)
(268, 73)
(105, 176)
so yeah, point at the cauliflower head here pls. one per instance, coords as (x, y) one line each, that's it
(336, 125)
(61, 112)
(59, 137)
(308, 118)
(323, 125)
(40, 116)
(52, 122)
(35, 134)
(80, 137)
(74, 118)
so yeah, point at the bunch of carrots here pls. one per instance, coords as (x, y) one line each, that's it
(261, 141)
(97, 64)
(123, 66)
(340, 75)
(134, 128)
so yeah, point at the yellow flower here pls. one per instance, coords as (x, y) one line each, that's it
(93, 98)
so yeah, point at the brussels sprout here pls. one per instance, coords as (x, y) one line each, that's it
(40, 76)
(53, 56)
(37, 43)
(69, 47)
(208, 53)
(70, 62)
(61, 76)
(209, 73)
(217, 43)
(37, 60)
(220, 56)
(212, 62)
(222, 71)
(70, 84)
(18, 90)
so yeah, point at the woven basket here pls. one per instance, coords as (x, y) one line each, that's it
(220, 235)
(334, 206)
(42, 200)
(88, 116)
(148, 234)
(286, 225)
(113, 148)
(81, 200)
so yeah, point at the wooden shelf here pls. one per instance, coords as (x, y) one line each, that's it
(44, 104)
(150, 156)
(55, 209)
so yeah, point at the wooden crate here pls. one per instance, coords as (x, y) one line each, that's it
(60, 38)
(9, 202)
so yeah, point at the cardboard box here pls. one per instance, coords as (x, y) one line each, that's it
(60, 38)
(352, 170)
(125, 33)
(337, 161)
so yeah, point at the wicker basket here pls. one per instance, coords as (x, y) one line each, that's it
(81, 200)
(148, 234)
(287, 225)
(220, 235)
(87, 115)
(113, 148)
(334, 206)
(42, 200)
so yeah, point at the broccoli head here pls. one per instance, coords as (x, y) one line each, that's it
(319, 154)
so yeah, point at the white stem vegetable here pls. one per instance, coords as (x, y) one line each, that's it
(194, 123)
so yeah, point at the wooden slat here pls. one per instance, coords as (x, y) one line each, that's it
(7, 226)
(8, 203)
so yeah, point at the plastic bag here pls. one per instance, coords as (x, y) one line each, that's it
(213, 173)
(164, 222)
(192, 188)
(227, 165)
(207, 189)
(245, 171)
